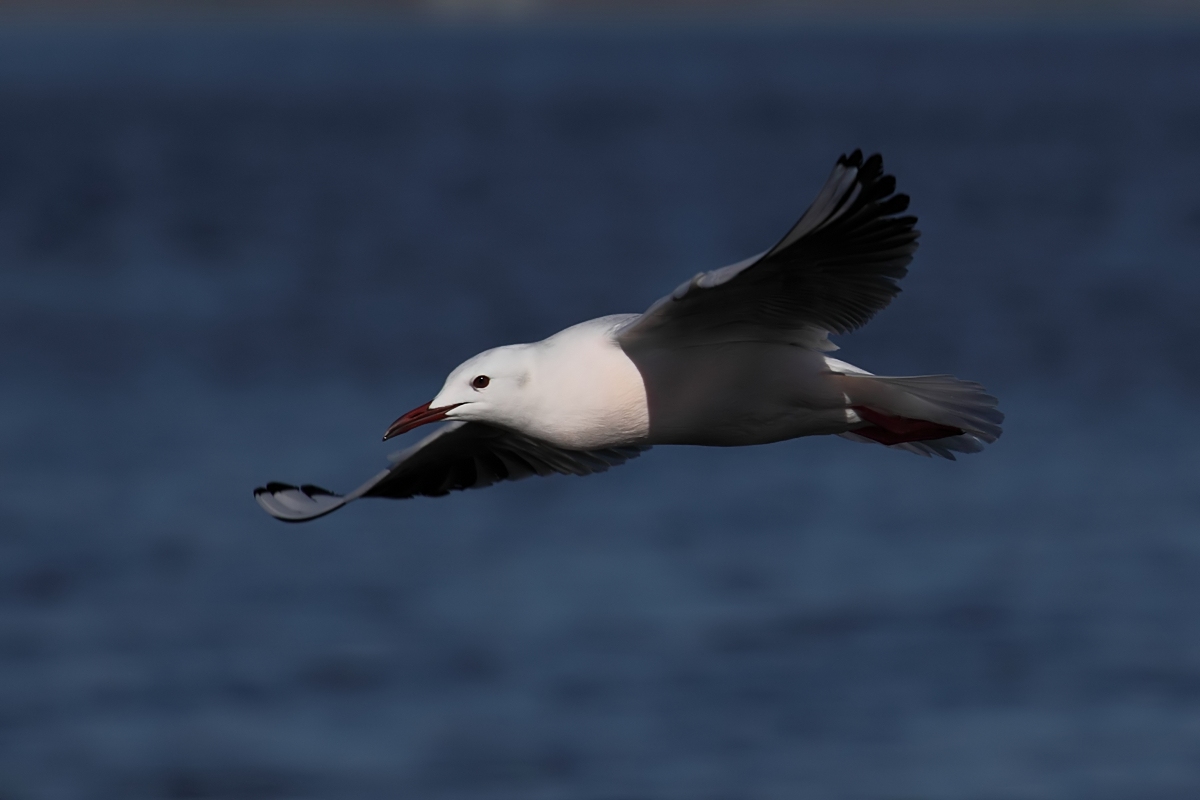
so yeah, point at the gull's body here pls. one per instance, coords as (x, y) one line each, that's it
(723, 393)
(736, 356)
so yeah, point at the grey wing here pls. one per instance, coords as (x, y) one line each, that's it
(459, 455)
(834, 269)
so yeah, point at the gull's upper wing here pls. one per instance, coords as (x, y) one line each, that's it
(835, 268)
(459, 455)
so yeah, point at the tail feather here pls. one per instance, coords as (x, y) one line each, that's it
(942, 400)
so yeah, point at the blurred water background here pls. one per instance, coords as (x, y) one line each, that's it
(235, 253)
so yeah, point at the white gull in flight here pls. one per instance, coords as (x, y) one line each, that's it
(736, 356)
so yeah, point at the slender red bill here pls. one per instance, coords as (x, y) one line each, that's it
(421, 415)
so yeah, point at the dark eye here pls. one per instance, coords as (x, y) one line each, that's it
(481, 381)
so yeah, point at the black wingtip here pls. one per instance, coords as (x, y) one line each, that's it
(309, 489)
(290, 503)
(896, 204)
(853, 160)
(273, 487)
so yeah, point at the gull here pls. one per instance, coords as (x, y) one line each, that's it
(735, 356)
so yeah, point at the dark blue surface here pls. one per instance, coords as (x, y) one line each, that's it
(235, 256)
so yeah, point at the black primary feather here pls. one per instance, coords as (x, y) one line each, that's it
(458, 456)
(836, 267)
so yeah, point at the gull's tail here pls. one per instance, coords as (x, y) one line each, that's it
(924, 414)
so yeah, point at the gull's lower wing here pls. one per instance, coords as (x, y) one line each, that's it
(301, 503)
(459, 455)
(834, 269)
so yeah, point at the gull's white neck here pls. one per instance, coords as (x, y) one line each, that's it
(584, 392)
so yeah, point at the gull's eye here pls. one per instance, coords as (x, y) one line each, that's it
(481, 381)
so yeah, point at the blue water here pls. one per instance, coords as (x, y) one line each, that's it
(232, 256)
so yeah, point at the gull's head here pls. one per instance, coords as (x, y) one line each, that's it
(489, 387)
